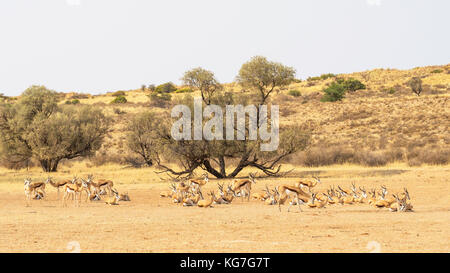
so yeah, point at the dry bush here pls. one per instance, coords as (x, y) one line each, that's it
(322, 156)
(432, 155)
(80, 96)
(371, 158)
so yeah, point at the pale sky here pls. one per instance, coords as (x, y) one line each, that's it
(95, 46)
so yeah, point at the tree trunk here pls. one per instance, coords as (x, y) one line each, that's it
(49, 165)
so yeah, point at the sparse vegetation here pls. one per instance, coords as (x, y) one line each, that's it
(351, 84)
(334, 92)
(204, 81)
(119, 99)
(416, 85)
(167, 87)
(264, 76)
(119, 94)
(295, 93)
(75, 101)
(437, 71)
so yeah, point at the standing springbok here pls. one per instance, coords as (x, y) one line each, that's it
(299, 195)
(102, 185)
(60, 184)
(243, 187)
(33, 189)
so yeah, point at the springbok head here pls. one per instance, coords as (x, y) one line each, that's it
(317, 179)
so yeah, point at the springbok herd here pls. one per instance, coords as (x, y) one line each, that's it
(188, 193)
(74, 188)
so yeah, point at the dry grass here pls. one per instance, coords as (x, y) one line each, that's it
(152, 224)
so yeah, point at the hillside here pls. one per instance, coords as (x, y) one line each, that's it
(382, 124)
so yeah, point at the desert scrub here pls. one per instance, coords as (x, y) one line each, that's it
(119, 99)
(75, 101)
(118, 94)
(184, 90)
(334, 92)
(294, 93)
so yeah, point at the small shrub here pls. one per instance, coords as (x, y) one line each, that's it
(389, 90)
(351, 84)
(117, 111)
(309, 79)
(166, 88)
(160, 99)
(326, 76)
(80, 96)
(119, 99)
(415, 84)
(334, 92)
(295, 93)
(118, 94)
(184, 90)
(151, 87)
(372, 158)
(75, 101)
(437, 71)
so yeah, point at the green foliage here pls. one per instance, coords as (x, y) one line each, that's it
(75, 101)
(294, 93)
(321, 77)
(119, 99)
(326, 76)
(310, 79)
(437, 71)
(264, 76)
(35, 127)
(203, 80)
(351, 84)
(165, 88)
(334, 92)
(184, 90)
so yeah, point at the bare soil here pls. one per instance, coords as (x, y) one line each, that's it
(152, 224)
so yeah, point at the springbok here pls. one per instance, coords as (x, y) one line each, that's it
(32, 189)
(207, 203)
(299, 195)
(196, 184)
(102, 185)
(114, 200)
(74, 190)
(243, 187)
(308, 183)
(60, 184)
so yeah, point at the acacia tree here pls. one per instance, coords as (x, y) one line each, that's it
(204, 81)
(35, 127)
(223, 158)
(264, 76)
(416, 85)
(227, 158)
(142, 138)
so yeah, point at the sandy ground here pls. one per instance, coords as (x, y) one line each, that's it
(152, 224)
